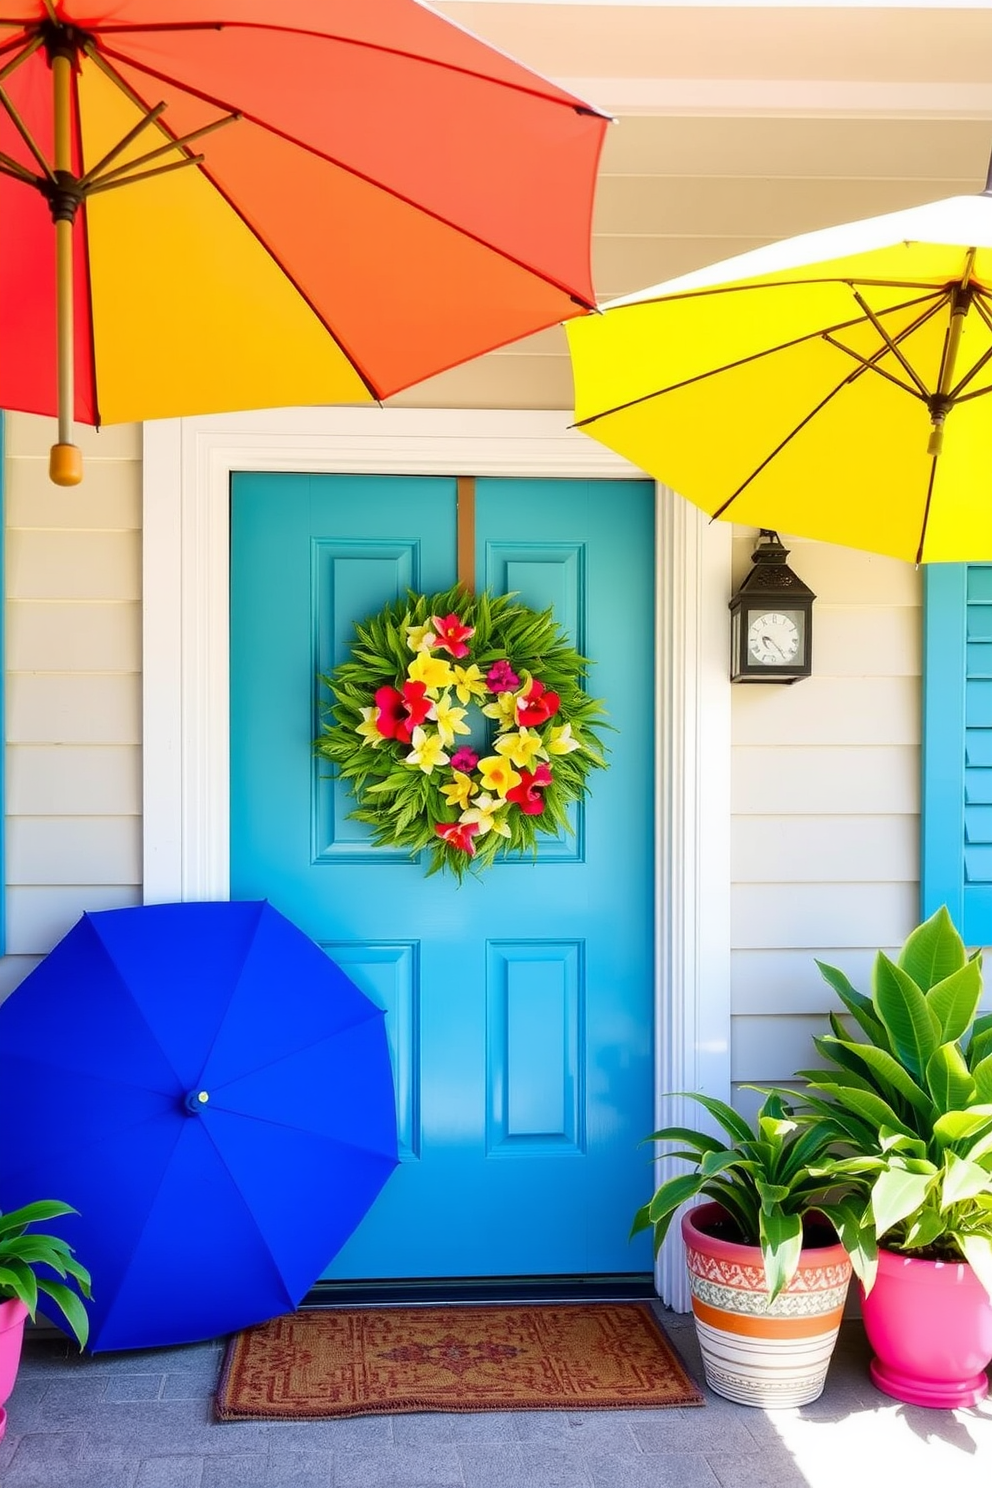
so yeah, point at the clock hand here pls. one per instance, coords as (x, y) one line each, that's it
(767, 641)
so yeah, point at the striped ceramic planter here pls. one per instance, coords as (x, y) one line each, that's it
(753, 1353)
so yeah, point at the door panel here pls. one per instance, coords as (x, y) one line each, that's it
(519, 1004)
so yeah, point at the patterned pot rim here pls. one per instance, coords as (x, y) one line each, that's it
(747, 1258)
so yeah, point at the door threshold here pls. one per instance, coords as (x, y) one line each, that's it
(423, 1291)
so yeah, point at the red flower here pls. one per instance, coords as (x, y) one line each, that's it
(399, 713)
(451, 634)
(527, 795)
(458, 834)
(537, 705)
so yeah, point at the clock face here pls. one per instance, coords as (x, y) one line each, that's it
(773, 639)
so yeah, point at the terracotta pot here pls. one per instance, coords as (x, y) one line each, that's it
(930, 1327)
(754, 1353)
(13, 1315)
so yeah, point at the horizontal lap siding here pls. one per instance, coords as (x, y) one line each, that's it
(825, 808)
(73, 687)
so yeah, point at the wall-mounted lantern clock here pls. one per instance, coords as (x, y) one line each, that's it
(771, 619)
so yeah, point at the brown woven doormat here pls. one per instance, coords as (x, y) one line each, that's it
(374, 1361)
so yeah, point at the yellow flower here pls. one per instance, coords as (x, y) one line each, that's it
(460, 793)
(433, 671)
(497, 775)
(561, 741)
(469, 683)
(420, 637)
(504, 708)
(521, 748)
(449, 720)
(426, 751)
(483, 813)
(368, 729)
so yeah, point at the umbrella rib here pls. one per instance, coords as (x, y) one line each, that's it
(955, 393)
(292, 1126)
(576, 105)
(26, 135)
(640, 300)
(820, 333)
(788, 438)
(103, 179)
(867, 365)
(871, 363)
(580, 300)
(22, 56)
(979, 392)
(308, 1045)
(893, 346)
(11, 167)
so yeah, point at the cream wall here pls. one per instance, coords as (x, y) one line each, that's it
(73, 716)
(825, 801)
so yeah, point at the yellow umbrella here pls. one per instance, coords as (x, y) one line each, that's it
(833, 385)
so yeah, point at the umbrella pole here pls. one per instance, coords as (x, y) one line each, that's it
(65, 461)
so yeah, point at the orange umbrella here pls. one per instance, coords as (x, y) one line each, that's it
(261, 203)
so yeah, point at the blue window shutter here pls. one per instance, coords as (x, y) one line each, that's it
(956, 808)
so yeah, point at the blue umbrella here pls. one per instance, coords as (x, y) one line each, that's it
(213, 1095)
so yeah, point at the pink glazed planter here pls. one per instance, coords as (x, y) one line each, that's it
(929, 1324)
(13, 1315)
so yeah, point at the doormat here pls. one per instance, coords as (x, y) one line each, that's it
(381, 1360)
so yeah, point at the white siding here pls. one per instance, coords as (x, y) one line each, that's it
(825, 807)
(73, 644)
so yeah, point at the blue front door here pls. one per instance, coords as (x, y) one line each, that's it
(519, 1005)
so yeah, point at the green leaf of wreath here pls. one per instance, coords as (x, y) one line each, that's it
(394, 715)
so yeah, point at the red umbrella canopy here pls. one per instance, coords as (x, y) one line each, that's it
(333, 202)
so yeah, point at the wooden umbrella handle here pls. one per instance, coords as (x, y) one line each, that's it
(65, 461)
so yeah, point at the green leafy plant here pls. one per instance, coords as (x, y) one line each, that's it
(462, 726)
(769, 1180)
(912, 1095)
(23, 1250)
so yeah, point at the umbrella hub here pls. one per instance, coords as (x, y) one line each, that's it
(195, 1101)
(64, 192)
(60, 40)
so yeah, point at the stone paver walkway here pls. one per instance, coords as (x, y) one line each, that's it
(144, 1420)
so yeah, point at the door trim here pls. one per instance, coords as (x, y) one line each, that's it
(187, 470)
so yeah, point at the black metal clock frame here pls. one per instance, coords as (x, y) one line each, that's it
(770, 586)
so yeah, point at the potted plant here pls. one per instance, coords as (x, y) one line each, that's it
(27, 1259)
(767, 1274)
(912, 1093)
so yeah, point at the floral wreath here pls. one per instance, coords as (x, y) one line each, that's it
(417, 670)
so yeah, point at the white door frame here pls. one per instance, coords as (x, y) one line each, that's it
(187, 470)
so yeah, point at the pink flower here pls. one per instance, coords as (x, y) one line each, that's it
(537, 705)
(502, 678)
(458, 834)
(452, 634)
(527, 795)
(399, 713)
(464, 759)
